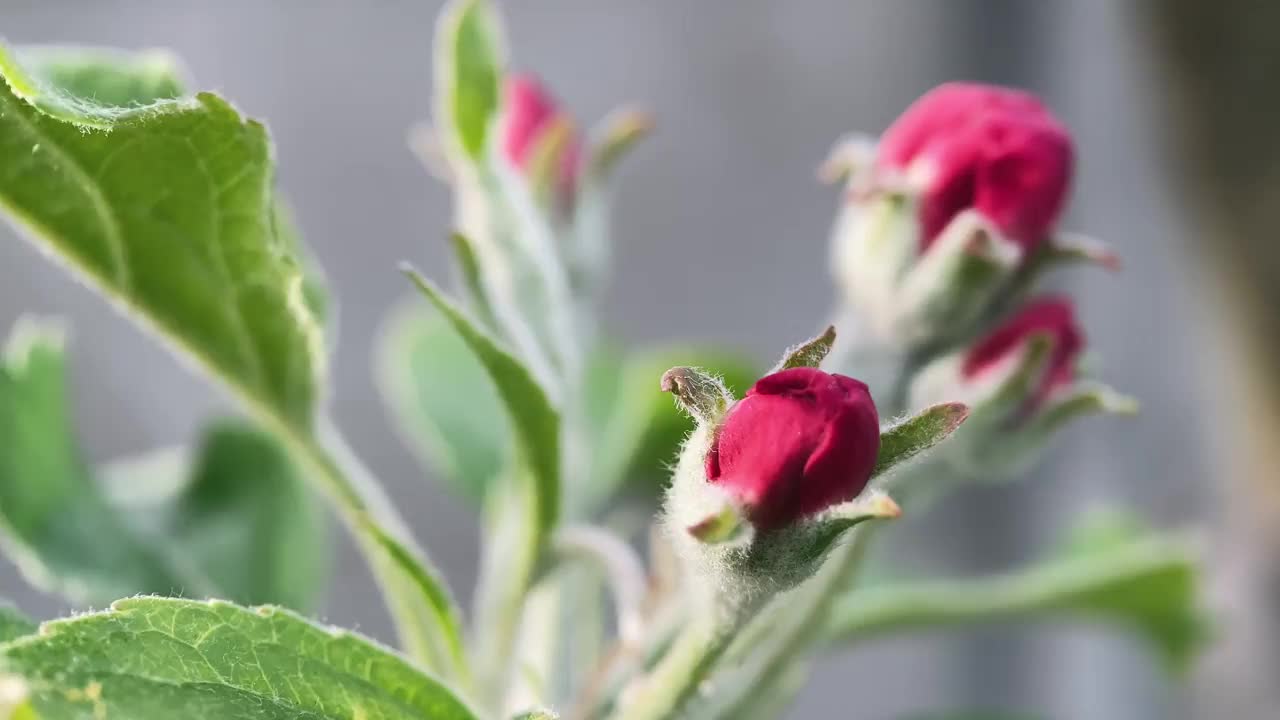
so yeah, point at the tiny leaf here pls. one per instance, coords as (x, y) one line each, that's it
(917, 434)
(469, 66)
(617, 134)
(828, 527)
(700, 394)
(726, 526)
(149, 657)
(810, 353)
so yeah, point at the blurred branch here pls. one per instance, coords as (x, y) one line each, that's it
(1221, 61)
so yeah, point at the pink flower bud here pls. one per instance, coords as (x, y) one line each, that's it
(997, 150)
(1052, 317)
(800, 441)
(529, 112)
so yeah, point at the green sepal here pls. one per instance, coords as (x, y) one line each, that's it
(808, 354)
(699, 393)
(918, 434)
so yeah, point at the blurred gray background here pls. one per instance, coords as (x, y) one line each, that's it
(748, 95)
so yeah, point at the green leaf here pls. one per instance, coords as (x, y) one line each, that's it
(61, 531)
(614, 138)
(238, 524)
(1145, 582)
(702, 395)
(105, 76)
(468, 263)
(638, 428)
(125, 80)
(535, 422)
(14, 624)
(917, 434)
(242, 517)
(151, 657)
(809, 353)
(641, 429)
(170, 210)
(469, 70)
(170, 214)
(445, 404)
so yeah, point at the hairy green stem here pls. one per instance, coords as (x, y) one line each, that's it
(369, 515)
(802, 623)
(661, 693)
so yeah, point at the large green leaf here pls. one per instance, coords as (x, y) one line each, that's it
(469, 67)
(169, 209)
(151, 658)
(535, 423)
(171, 214)
(1139, 580)
(13, 624)
(237, 524)
(443, 400)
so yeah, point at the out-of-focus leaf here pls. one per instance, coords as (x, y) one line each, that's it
(443, 400)
(105, 76)
(14, 624)
(535, 423)
(641, 427)
(242, 518)
(239, 526)
(152, 657)
(1148, 582)
(469, 68)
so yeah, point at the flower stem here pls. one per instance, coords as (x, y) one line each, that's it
(801, 624)
(424, 616)
(661, 693)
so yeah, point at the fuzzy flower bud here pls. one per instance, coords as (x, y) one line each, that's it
(1022, 381)
(532, 120)
(1052, 318)
(993, 149)
(801, 441)
(959, 196)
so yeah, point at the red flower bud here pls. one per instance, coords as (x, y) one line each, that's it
(800, 441)
(997, 150)
(1052, 317)
(529, 111)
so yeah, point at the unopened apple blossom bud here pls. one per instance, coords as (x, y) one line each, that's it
(801, 441)
(957, 198)
(1022, 381)
(767, 484)
(535, 131)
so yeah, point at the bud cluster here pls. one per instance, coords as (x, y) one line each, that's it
(947, 224)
